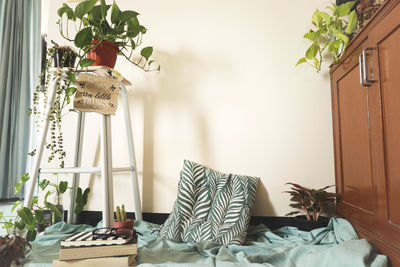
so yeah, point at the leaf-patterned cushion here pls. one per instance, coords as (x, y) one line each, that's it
(211, 206)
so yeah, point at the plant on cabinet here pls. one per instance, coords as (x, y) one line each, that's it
(330, 34)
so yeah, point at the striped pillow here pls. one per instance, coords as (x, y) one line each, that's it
(211, 206)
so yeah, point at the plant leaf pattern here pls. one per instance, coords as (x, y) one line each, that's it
(211, 206)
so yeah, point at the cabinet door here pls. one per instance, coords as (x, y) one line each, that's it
(356, 184)
(386, 35)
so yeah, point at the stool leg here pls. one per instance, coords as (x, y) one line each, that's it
(132, 159)
(106, 172)
(77, 163)
(39, 150)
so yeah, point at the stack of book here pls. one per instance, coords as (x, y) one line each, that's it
(81, 249)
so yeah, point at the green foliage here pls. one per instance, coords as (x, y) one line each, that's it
(311, 202)
(81, 199)
(95, 22)
(23, 179)
(331, 32)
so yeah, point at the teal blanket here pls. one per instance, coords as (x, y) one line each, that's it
(335, 245)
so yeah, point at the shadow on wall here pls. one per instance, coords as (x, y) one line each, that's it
(174, 89)
(263, 203)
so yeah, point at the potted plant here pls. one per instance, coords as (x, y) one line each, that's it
(331, 33)
(12, 249)
(64, 56)
(122, 221)
(58, 189)
(312, 203)
(102, 35)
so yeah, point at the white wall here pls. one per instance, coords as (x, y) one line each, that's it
(229, 96)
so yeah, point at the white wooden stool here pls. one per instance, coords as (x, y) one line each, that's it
(106, 169)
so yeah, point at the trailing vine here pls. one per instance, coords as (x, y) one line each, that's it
(63, 93)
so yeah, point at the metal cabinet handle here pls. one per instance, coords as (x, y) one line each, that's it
(360, 65)
(364, 69)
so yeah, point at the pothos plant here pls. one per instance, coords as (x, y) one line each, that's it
(91, 22)
(330, 34)
(95, 23)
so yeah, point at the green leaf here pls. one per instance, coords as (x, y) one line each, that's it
(95, 14)
(71, 76)
(16, 204)
(352, 24)
(127, 15)
(312, 51)
(20, 183)
(115, 13)
(340, 35)
(86, 62)
(311, 35)
(85, 196)
(43, 184)
(19, 224)
(61, 11)
(344, 9)
(26, 215)
(292, 213)
(63, 184)
(316, 18)
(78, 201)
(1, 215)
(301, 60)
(70, 91)
(326, 17)
(53, 208)
(103, 9)
(133, 28)
(146, 52)
(31, 235)
(83, 37)
(84, 8)
(39, 216)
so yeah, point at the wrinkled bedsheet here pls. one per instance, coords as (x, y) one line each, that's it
(335, 245)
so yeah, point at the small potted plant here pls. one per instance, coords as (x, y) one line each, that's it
(64, 56)
(58, 189)
(312, 203)
(330, 34)
(122, 221)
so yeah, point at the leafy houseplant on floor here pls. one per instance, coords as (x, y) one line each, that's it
(122, 221)
(58, 189)
(12, 249)
(331, 32)
(312, 203)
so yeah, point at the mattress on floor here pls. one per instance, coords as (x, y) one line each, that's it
(335, 245)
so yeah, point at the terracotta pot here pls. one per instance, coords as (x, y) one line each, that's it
(105, 54)
(127, 226)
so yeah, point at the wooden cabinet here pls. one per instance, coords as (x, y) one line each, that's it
(366, 121)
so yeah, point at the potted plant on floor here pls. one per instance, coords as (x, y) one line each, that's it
(58, 189)
(102, 35)
(312, 203)
(122, 221)
(12, 249)
(330, 34)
